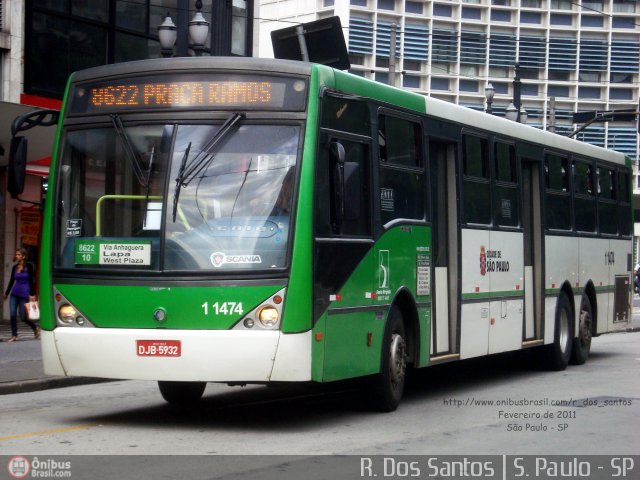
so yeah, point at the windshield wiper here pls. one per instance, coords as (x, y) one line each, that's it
(148, 179)
(204, 158)
(190, 170)
(176, 193)
(136, 164)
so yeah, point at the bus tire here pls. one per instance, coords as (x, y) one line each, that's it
(387, 386)
(557, 354)
(582, 342)
(181, 393)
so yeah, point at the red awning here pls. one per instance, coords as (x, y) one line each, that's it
(39, 167)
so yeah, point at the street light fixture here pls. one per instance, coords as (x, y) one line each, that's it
(167, 34)
(511, 113)
(489, 93)
(523, 115)
(196, 30)
(516, 111)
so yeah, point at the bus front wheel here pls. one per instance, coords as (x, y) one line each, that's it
(181, 393)
(388, 385)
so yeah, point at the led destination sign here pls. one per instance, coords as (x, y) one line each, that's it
(207, 91)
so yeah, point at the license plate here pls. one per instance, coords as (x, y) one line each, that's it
(158, 348)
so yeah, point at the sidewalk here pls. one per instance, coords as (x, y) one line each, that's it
(21, 367)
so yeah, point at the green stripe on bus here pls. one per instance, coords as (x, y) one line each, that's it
(492, 295)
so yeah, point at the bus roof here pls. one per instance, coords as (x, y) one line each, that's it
(193, 64)
(487, 122)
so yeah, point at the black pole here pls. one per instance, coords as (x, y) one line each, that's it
(182, 42)
(517, 91)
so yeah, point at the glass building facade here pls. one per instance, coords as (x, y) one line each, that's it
(585, 55)
(62, 36)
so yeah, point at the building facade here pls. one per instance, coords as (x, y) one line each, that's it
(573, 56)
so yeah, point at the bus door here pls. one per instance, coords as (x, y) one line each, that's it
(532, 228)
(444, 324)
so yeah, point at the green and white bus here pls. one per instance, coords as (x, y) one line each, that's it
(258, 221)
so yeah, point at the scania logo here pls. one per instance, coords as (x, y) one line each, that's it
(218, 259)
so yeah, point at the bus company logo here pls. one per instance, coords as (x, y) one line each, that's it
(483, 261)
(218, 259)
(19, 467)
(383, 270)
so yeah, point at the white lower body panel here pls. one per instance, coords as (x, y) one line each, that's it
(206, 355)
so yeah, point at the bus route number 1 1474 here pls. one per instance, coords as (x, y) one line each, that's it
(223, 308)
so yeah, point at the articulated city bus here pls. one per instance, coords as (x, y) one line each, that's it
(245, 220)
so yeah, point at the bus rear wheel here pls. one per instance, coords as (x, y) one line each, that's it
(557, 354)
(387, 386)
(582, 343)
(181, 393)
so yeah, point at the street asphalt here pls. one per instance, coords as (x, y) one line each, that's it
(21, 367)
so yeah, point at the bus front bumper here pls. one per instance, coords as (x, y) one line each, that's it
(205, 355)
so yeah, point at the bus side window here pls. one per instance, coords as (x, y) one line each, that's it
(583, 197)
(625, 227)
(402, 193)
(607, 215)
(557, 194)
(506, 211)
(476, 182)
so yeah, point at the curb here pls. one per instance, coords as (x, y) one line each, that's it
(26, 386)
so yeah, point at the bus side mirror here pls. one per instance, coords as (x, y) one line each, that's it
(16, 171)
(337, 153)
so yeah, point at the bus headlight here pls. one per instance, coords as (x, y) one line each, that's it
(265, 316)
(67, 314)
(268, 316)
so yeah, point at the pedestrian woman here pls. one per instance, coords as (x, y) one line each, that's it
(22, 289)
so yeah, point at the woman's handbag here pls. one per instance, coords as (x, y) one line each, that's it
(33, 310)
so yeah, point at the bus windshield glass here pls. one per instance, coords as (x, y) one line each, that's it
(176, 197)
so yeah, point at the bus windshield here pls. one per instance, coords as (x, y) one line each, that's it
(176, 197)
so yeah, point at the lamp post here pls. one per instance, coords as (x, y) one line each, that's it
(489, 92)
(515, 111)
(195, 30)
(517, 91)
(167, 34)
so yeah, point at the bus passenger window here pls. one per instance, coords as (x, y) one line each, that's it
(476, 182)
(402, 193)
(607, 215)
(506, 205)
(625, 226)
(584, 199)
(557, 198)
